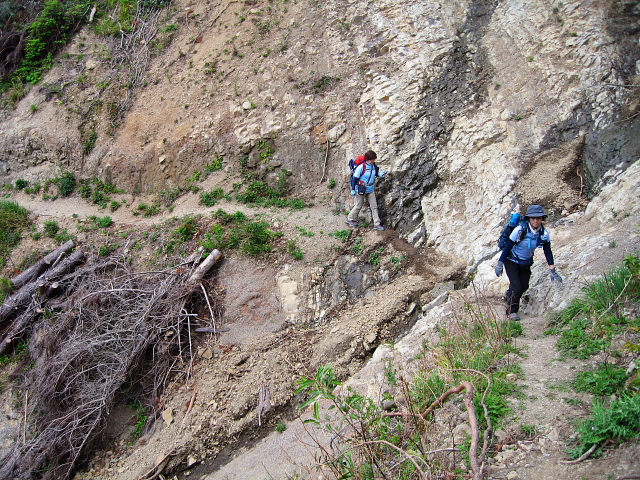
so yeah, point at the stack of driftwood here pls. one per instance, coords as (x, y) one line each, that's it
(93, 326)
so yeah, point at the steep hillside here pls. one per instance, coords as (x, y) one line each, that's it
(475, 108)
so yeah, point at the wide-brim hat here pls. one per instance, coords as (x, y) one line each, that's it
(535, 211)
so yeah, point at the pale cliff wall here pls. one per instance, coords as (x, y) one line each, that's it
(475, 107)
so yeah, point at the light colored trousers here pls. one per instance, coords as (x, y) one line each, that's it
(373, 205)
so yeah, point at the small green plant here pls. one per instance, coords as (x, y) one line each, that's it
(211, 67)
(51, 228)
(391, 373)
(188, 230)
(295, 251)
(341, 235)
(332, 183)
(101, 222)
(396, 261)
(90, 142)
(590, 321)
(266, 150)
(281, 427)
(215, 165)
(374, 257)
(605, 380)
(358, 247)
(66, 183)
(34, 189)
(107, 249)
(304, 232)
(6, 287)
(616, 422)
(114, 205)
(21, 184)
(324, 84)
(147, 210)
(63, 236)
(142, 417)
(235, 231)
(529, 431)
(208, 199)
(168, 197)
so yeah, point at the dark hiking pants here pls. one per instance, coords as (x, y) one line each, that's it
(519, 276)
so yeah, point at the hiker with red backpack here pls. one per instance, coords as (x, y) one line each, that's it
(518, 246)
(363, 180)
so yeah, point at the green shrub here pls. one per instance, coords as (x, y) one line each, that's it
(105, 250)
(101, 222)
(13, 219)
(215, 165)
(614, 423)
(208, 199)
(590, 321)
(21, 184)
(51, 228)
(188, 230)
(6, 287)
(147, 210)
(100, 198)
(85, 189)
(34, 189)
(252, 238)
(606, 379)
(90, 142)
(295, 251)
(341, 234)
(63, 236)
(66, 183)
(51, 30)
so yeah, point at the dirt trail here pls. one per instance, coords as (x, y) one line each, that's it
(553, 408)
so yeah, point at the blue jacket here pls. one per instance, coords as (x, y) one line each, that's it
(365, 174)
(522, 252)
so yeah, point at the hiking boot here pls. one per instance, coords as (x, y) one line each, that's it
(352, 223)
(514, 316)
(378, 227)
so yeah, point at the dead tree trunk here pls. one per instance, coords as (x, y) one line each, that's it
(205, 266)
(35, 270)
(22, 297)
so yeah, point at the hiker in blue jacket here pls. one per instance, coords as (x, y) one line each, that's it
(363, 184)
(517, 257)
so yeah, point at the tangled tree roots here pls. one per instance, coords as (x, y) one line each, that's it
(110, 321)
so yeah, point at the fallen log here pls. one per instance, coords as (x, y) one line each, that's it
(35, 270)
(22, 297)
(205, 266)
(17, 329)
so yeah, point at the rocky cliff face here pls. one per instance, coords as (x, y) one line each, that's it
(476, 108)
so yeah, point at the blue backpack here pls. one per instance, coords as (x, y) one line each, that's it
(515, 220)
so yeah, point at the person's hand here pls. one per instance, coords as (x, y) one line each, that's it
(353, 193)
(382, 174)
(554, 276)
(499, 269)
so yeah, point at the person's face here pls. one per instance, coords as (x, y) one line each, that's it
(535, 221)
